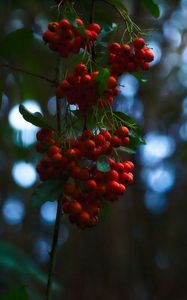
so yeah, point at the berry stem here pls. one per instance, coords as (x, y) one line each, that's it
(53, 251)
(29, 73)
(58, 101)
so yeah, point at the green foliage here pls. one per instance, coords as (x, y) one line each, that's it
(16, 42)
(152, 7)
(16, 293)
(36, 118)
(103, 164)
(48, 190)
(124, 119)
(102, 80)
(138, 76)
(17, 261)
(135, 133)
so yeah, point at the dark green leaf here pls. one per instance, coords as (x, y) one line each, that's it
(102, 80)
(48, 190)
(16, 42)
(136, 138)
(125, 119)
(36, 118)
(16, 293)
(152, 7)
(15, 260)
(126, 149)
(103, 164)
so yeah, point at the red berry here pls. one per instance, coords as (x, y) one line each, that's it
(115, 48)
(53, 150)
(81, 69)
(65, 24)
(112, 82)
(84, 218)
(126, 178)
(90, 185)
(122, 131)
(125, 141)
(106, 134)
(89, 144)
(115, 141)
(118, 166)
(94, 27)
(99, 140)
(75, 207)
(79, 21)
(112, 175)
(139, 43)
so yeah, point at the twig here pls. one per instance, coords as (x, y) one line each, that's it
(54, 251)
(28, 73)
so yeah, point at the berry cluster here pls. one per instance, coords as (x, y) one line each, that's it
(130, 58)
(65, 38)
(81, 88)
(84, 204)
(76, 160)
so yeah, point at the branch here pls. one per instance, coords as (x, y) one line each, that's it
(53, 251)
(28, 73)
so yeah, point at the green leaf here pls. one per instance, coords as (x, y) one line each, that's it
(136, 138)
(152, 7)
(14, 259)
(125, 119)
(16, 42)
(102, 80)
(16, 293)
(135, 133)
(126, 149)
(138, 76)
(48, 190)
(36, 118)
(103, 164)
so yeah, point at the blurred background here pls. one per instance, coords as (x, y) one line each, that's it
(138, 251)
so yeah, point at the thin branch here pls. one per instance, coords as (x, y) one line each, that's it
(92, 14)
(54, 251)
(28, 73)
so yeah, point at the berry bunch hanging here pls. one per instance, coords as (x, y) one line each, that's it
(66, 38)
(76, 159)
(80, 88)
(130, 57)
(86, 160)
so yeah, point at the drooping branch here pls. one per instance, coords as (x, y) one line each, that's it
(17, 69)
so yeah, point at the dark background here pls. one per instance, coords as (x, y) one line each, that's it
(138, 251)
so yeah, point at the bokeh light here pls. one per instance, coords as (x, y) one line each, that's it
(158, 146)
(48, 212)
(13, 211)
(159, 179)
(24, 174)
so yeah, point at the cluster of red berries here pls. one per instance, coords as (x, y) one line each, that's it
(82, 199)
(76, 159)
(130, 58)
(81, 88)
(65, 38)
